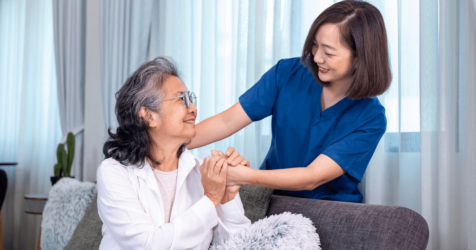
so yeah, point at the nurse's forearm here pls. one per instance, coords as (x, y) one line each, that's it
(294, 179)
(220, 126)
(322, 170)
(208, 131)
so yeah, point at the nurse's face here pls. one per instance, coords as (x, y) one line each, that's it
(174, 121)
(332, 57)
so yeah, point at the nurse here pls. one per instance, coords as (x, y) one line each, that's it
(326, 119)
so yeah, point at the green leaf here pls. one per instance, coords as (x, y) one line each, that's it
(70, 142)
(63, 160)
(58, 170)
(59, 155)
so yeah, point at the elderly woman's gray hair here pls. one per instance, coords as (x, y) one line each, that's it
(131, 143)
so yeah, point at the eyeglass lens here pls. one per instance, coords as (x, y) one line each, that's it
(189, 97)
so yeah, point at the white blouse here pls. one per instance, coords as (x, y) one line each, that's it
(131, 208)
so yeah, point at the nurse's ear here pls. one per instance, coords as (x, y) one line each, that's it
(152, 118)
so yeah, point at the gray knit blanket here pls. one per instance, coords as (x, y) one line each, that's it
(67, 202)
(282, 231)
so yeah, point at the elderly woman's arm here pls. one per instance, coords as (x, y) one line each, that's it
(122, 213)
(232, 218)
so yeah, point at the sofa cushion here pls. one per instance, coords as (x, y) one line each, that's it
(346, 225)
(255, 201)
(87, 234)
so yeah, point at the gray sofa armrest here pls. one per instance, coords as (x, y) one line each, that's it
(343, 225)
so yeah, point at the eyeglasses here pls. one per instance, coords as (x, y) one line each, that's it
(188, 97)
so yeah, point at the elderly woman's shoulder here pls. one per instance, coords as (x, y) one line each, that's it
(113, 164)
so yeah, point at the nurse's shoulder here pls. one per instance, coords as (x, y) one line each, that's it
(371, 111)
(290, 66)
(291, 71)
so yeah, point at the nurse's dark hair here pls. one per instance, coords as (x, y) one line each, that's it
(363, 31)
(131, 144)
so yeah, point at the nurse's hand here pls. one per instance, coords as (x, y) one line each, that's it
(214, 170)
(234, 158)
(237, 176)
(231, 190)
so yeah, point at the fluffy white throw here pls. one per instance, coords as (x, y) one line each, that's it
(282, 231)
(67, 202)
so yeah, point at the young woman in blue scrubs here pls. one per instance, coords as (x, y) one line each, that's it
(326, 119)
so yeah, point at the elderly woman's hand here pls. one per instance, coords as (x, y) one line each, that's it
(233, 185)
(214, 170)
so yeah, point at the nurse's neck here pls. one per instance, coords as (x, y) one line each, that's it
(334, 93)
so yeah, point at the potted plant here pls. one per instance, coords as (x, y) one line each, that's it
(65, 160)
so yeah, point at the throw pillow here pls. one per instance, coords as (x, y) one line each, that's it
(282, 231)
(67, 202)
(88, 234)
(255, 201)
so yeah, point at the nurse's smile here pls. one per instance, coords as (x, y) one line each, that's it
(322, 70)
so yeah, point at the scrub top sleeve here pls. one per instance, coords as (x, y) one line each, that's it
(353, 152)
(259, 100)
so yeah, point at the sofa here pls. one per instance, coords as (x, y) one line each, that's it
(340, 225)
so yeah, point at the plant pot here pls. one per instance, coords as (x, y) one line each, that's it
(55, 179)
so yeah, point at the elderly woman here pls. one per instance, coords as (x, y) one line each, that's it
(152, 192)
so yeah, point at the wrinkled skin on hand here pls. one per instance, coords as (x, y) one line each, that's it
(232, 186)
(214, 171)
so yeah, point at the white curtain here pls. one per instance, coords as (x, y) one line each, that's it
(426, 159)
(125, 29)
(69, 18)
(30, 125)
(223, 47)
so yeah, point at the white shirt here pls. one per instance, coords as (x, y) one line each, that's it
(130, 206)
(167, 182)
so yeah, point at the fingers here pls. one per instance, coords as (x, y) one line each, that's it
(233, 156)
(221, 154)
(214, 152)
(230, 151)
(238, 160)
(219, 166)
(203, 167)
(224, 170)
(245, 163)
(211, 165)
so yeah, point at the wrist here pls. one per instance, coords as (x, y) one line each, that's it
(247, 177)
(214, 201)
(228, 197)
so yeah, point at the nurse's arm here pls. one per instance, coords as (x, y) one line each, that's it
(220, 126)
(322, 170)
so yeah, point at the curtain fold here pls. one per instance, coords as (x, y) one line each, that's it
(125, 30)
(69, 18)
(223, 47)
(426, 159)
(30, 125)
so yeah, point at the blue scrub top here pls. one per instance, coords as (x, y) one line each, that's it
(347, 132)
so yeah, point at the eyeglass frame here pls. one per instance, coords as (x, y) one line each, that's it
(188, 97)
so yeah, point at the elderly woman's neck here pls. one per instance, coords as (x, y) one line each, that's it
(166, 154)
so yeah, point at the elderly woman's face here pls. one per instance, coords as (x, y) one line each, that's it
(174, 118)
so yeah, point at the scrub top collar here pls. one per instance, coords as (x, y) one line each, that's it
(334, 110)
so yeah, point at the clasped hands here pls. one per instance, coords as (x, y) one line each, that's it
(221, 177)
